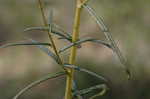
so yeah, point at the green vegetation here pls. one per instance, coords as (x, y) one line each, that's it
(74, 42)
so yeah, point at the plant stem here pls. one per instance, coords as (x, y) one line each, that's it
(49, 32)
(42, 12)
(75, 35)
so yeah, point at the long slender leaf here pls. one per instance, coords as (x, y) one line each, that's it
(84, 41)
(61, 33)
(88, 90)
(109, 37)
(35, 83)
(23, 44)
(47, 51)
(40, 28)
(86, 71)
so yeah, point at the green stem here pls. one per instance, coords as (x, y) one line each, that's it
(49, 32)
(75, 35)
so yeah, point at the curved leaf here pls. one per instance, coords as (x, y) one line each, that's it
(61, 33)
(35, 83)
(87, 90)
(109, 37)
(101, 93)
(86, 71)
(84, 41)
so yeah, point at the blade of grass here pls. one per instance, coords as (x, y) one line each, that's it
(35, 83)
(109, 37)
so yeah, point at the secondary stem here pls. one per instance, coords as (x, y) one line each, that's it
(72, 58)
(49, 32)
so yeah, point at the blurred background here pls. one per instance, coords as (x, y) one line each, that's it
(129, 22)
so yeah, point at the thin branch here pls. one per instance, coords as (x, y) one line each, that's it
(42, 12)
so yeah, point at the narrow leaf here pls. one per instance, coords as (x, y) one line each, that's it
(88, 90)
(101, 93)
(61, 34)
(84, 41)
(86, 71)
(35, 83)
(36, 28)
(109, 37)
(23, 44)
